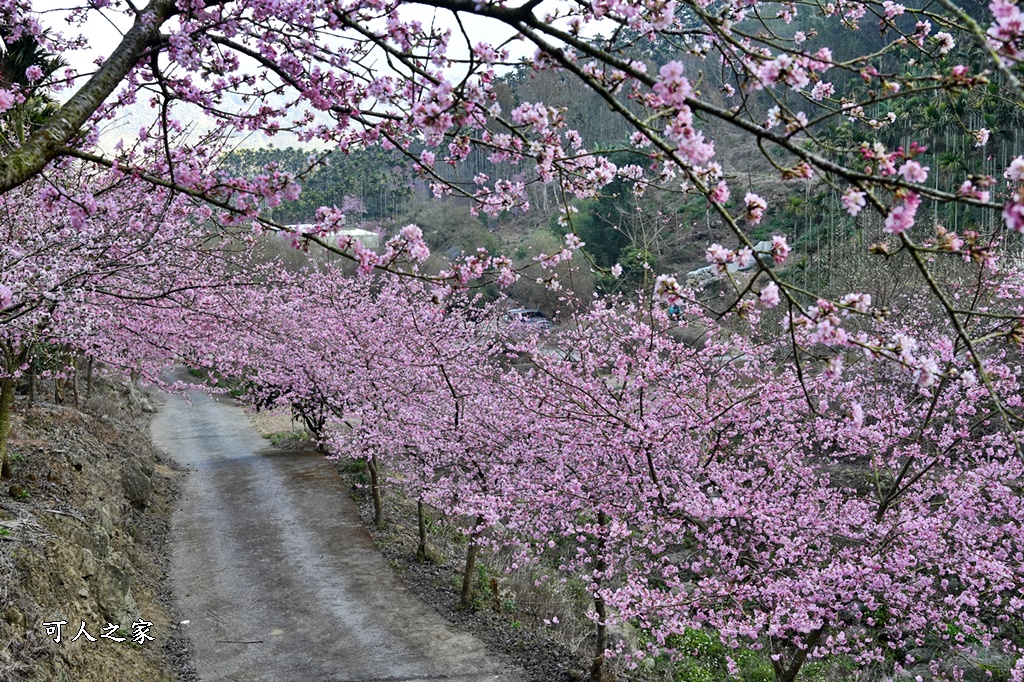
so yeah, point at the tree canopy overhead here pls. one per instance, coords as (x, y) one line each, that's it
(356, 74)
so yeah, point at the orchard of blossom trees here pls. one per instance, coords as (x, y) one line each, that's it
(805, 510)
(823, 475)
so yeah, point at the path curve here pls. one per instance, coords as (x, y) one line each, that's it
(277, 576)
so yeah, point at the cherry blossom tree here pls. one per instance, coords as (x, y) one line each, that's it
(834, 507)
(100, 265)
(358, 74)
(719, 489)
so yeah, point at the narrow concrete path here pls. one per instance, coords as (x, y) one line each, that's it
(278, 577)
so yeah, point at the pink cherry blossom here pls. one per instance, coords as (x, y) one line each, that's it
(1015, 171)
(756, 207)
(854, 201)
(780, 249)
(901, 217)
(1013, 213)
(912, 171)
(770, 295)
(7, 100)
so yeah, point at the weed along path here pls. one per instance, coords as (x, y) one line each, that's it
(277, 576)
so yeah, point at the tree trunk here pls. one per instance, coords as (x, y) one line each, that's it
(421, 516)
(33, 382)
(29, 159)
(597, 667)
(7, 388)
(88, 379)
(788, 674)
(378, 506)
(466, 600)
(74, 381)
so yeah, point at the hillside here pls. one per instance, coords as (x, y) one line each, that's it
(83, 532)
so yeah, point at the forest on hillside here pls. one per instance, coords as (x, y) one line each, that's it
(668, 227)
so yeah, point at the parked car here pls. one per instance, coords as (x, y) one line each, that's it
(530, 316)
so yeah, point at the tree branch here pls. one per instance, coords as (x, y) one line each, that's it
(44, 145)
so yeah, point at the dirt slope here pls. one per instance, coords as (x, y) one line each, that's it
(82, 531)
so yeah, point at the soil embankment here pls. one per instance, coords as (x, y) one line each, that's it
(83, 527)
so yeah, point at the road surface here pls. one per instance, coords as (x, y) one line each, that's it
(277, 576)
